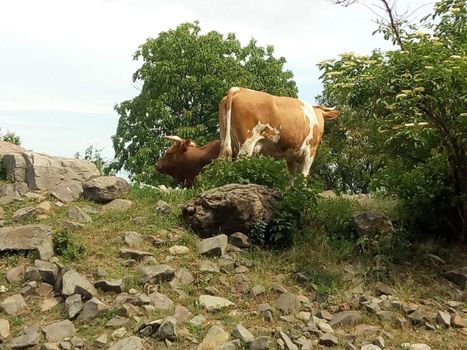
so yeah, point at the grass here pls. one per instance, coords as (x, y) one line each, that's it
(325, 252)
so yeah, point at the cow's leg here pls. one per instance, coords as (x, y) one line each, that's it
(292, 167)
(307, 161)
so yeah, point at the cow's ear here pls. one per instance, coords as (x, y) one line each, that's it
(184, 145)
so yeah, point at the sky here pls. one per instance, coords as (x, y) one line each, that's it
(65, 64)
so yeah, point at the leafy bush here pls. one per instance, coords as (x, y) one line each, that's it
(261, 170)
(336, 217)
(68, 246)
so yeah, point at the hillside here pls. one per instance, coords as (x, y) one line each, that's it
(306, 296)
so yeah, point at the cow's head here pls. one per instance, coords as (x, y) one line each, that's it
(174, 158)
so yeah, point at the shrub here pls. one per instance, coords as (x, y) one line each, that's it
(68, 246)
(335, 216)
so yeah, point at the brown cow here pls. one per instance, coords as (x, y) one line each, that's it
(253, 122)
(184, 161)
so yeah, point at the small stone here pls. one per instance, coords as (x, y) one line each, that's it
(49, 303)
(214, 339)
(260, 343)
(116, 286)
(179, 250)
(457, 276)
(349, 346)
(24, 214)
(181, 314)
(101, 341)
(379, 341)
(198, 320)
(75, 283)
(443, 318)
(132, 238)
(258, 290)
(15, 274)
(304, 316)
(156, 273)
(408, 346)
(213, 303)
(29, 338)
(119, 333)
(322, 325)
(117, 322)
(163, 207)
(328, 339)
(167, 329)
(401, 323)
(47, 270)
(383, 289)
(345, 318)
(160, 301)
(79, 214)
(324, 314)
(457, 321)
(208, 266)
(288, 303)
(91, 309)
(240, 332)
(73, 305)
(213, 246)
(133, 254)
(240, 240)
(15, 305)
(4, 329)
(370, 347)
(130, 343)
(58, 331)
(289, 345)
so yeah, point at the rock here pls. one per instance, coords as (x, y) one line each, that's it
(14, 305)
(58, 331)
(375, 226)
(214, 339)
(44, 208)
(133, 254)
(163, 207)
(73, 305)
(328, 339)
(75, 283)
(457, 276)
(73, 225)
(208, 266)
(231, 345)
(457, 321)
(401, 323)
(288, 303)
(48, 271)
(132, 238)
(240, 332)
(289, 345)
(160, 301)
(116, 286)
(103, 189)
(370, 347)
(349, 346)
(118, 204)
(49, 303)
(345, 318)
(324, 314)
(179, 250)
(79, 214)
(101, 341)
(24, 214)
(213, 246)
(167, 329)
(418, 317)
(213, 303)
(408, 346)
(260, 343)
(181, 314)
(130, 343)
(322, 325)
(183, 277)
(379, 341)
(117, 322)
(91, 309)
(28, 237)
(443, 318)
(258, 290)
(198, 320)
(230, 208)
(156, 273)
(4, 330)
(119, 333)
(15, 274)
(29, 338)
(240, 240)
(383, 289)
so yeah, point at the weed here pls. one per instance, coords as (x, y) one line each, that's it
(68, 246)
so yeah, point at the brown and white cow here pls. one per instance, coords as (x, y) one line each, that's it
(253, 122)
(184, 161)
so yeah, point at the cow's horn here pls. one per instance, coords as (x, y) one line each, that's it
(173, 138)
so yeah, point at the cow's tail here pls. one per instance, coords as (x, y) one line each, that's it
(225, 123)
(329, 113)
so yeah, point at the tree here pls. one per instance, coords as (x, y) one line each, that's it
(410, 104)
(93, 154)
(183, 76)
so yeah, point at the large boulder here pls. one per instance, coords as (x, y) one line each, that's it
(28, 237)
(64, 176)
(230, 208)
(104, 189)
(9, 148)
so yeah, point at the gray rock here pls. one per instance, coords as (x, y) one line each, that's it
(133, 254)
(372, 224)
(15, 274)
(370, 347)
(117, 322)
(75, 283)
(14, 305)
(130, 343)
(240, 332)
(181, 314)
(24, 214)
(213, 303)
(161, 301)
(379, 341)
(328, 339)
(418, 317)
(183, 277)
(4, 330)
(240, 240)
(73, 225)
(231, 345)
(288, 303)
(132, 238)
(28, 237)
(76, 213)
(213, 246)
(408, 346)
(156, 273)
(230, 208)
(103, 189)
(349, 346)
(73, 305)
(119, 333)
(118, 204)
(101, 341)
(214, 339)
(383, 289)
(345, 318)
(198, 320)
(163, 207)
(167, 329)
(91, 309)
(457, 276)
(258, 290)
(29, 338)
(117, 286)
(47, 270)
(58, 331)
(289, 345)
(444, 318)
(324, 314)
(208, 266)
(260, 343)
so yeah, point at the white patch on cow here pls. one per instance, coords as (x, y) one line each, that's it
(234, 90)
(228, 139)
(311, 119)
(251, 145)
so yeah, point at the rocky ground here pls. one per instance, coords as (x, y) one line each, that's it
(128, 275)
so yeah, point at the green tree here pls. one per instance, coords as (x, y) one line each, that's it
(94, 155)
(183, 76)
(410, 105)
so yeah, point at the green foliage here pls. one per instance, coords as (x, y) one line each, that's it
(11, 137)
(68, 246)
(405, 110)
(183, 76)
(261, 170)
(94, 155)
(336, 217)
